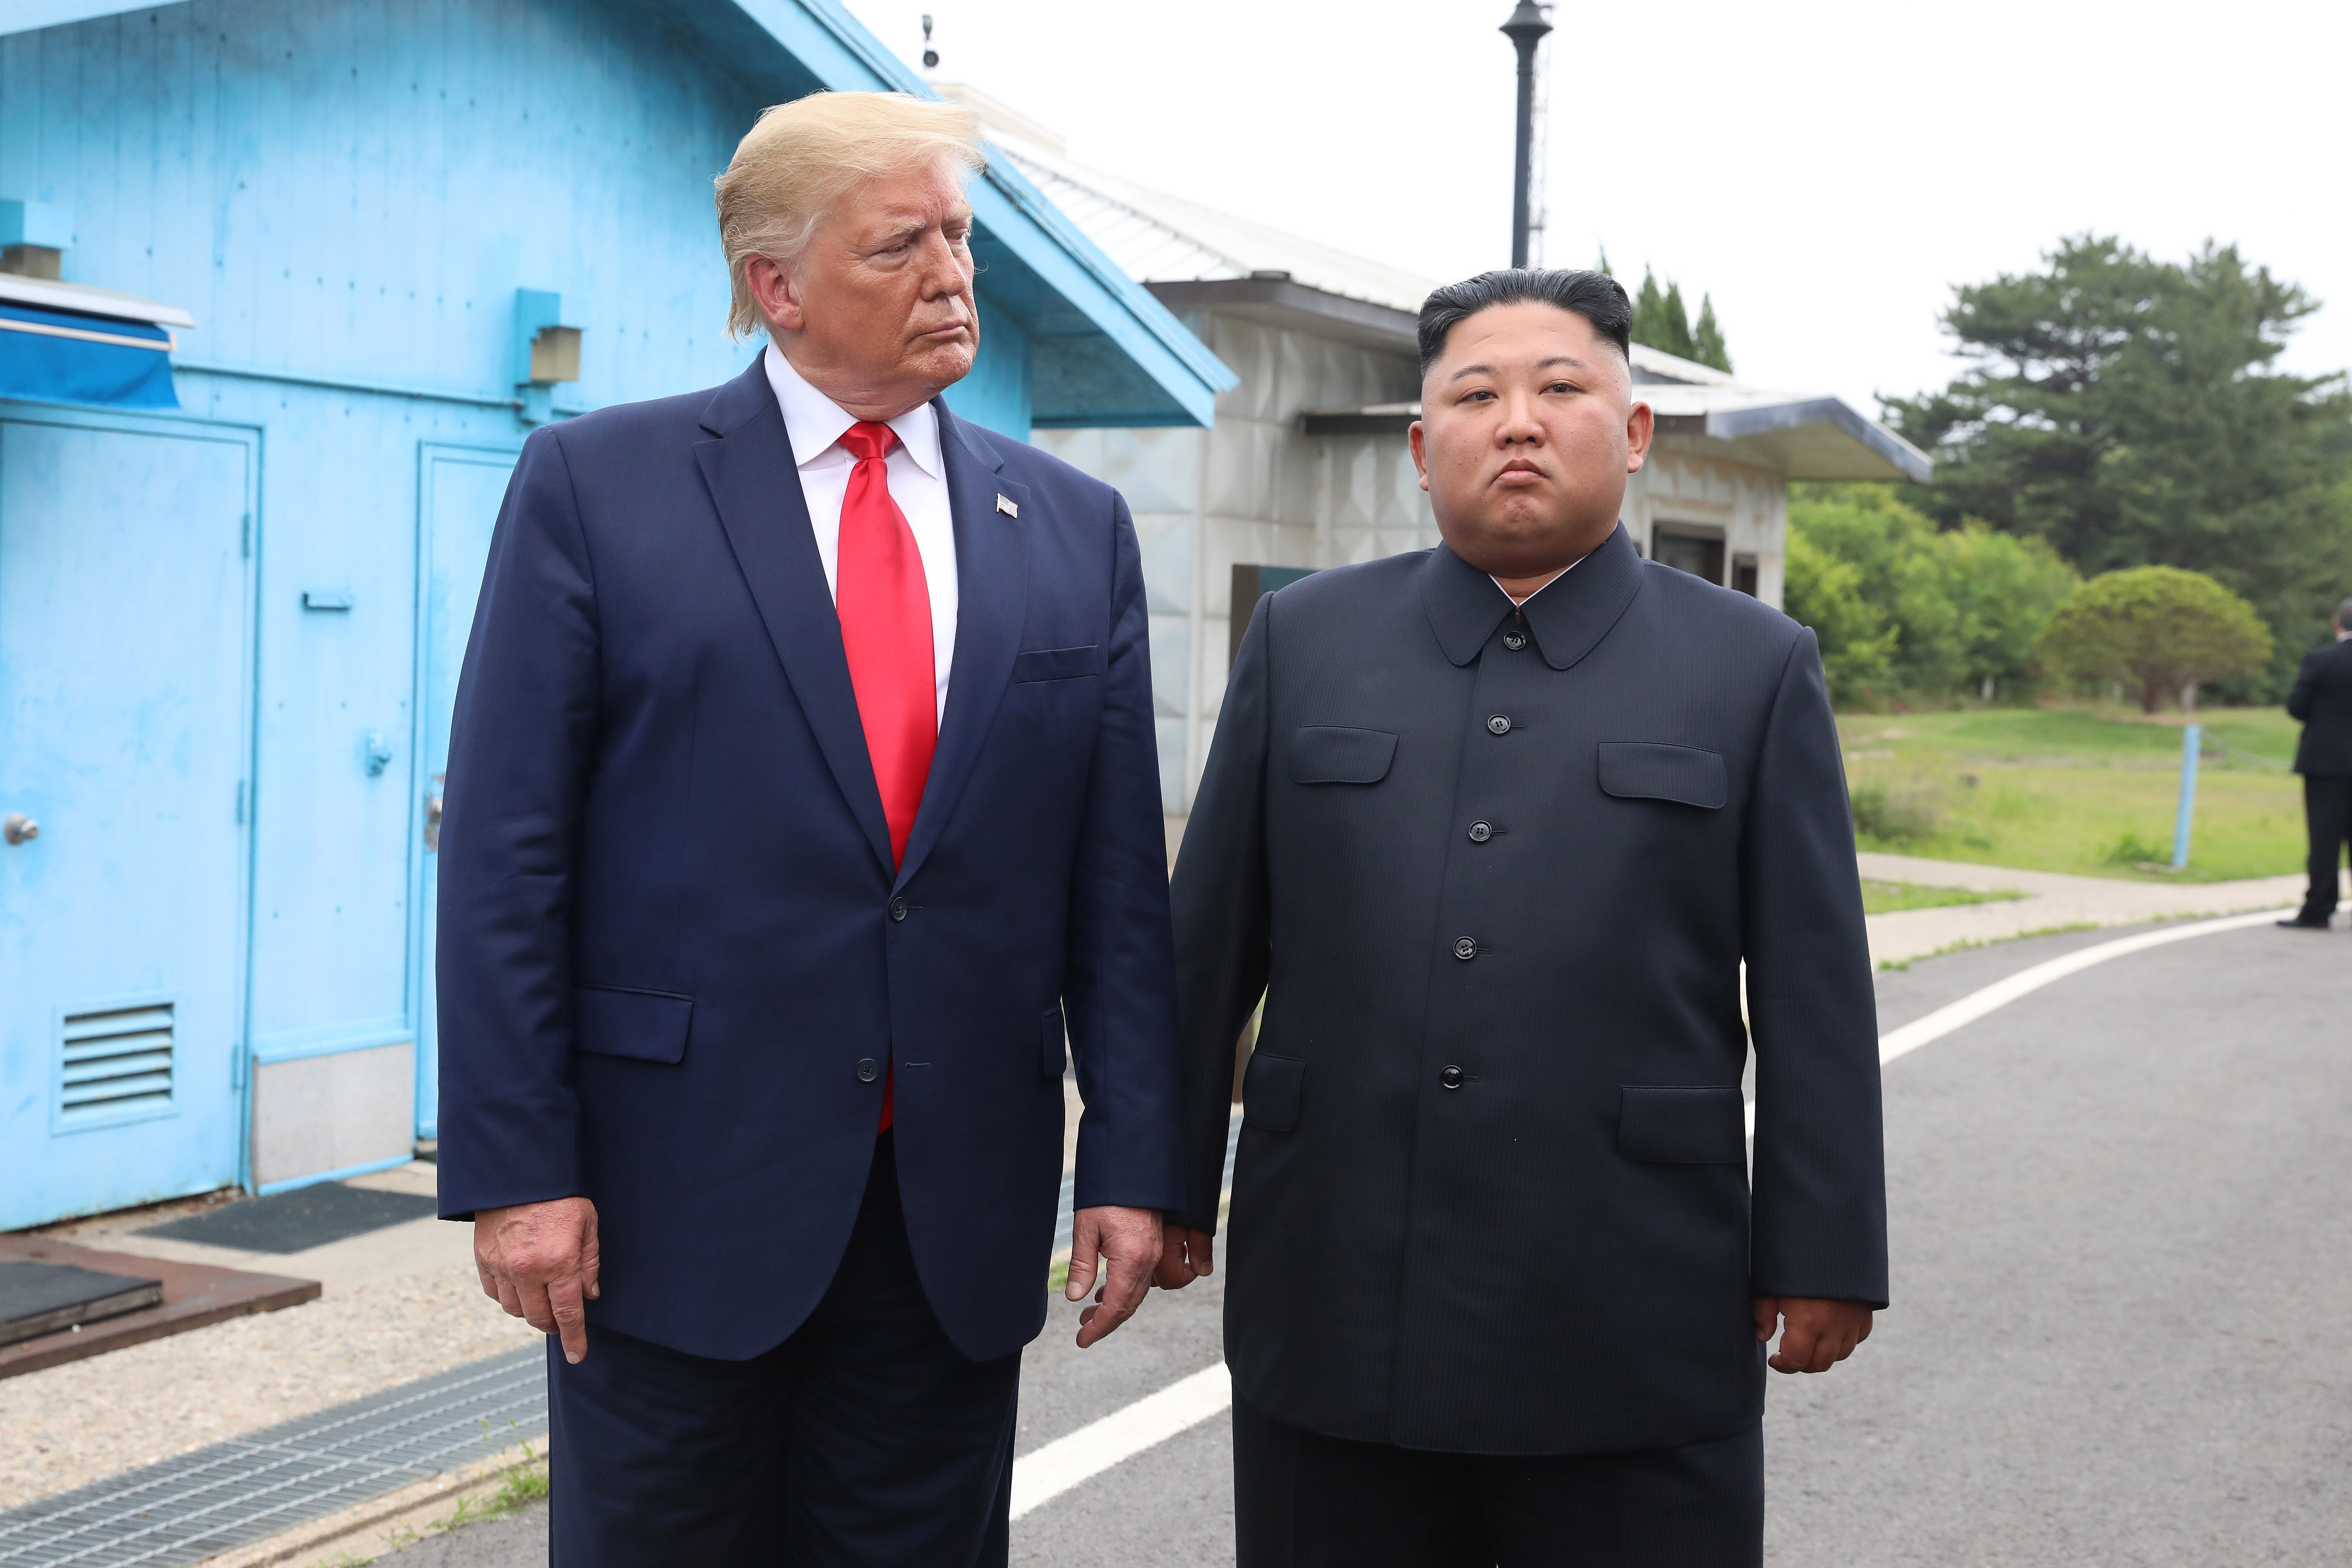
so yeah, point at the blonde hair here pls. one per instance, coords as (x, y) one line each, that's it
(802, 157)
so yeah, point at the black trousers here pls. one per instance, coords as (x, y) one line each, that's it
(865, 1438)
(1304, 1501)
(2327, 810)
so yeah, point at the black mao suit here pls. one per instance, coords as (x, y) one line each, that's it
(1495, 873)
(2321, 699)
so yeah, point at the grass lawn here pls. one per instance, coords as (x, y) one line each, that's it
(2091, 791)
(1887, 897)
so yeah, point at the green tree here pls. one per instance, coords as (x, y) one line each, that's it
(1824, 593)
(1903, 609)
(1706, 338)
(2129, 412)
(1662, 321)
(2005, 589)
(2162, 629)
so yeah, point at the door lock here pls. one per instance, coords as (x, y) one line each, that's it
(19, 829)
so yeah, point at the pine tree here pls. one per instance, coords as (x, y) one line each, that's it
(1706, 338)
(1662, 321)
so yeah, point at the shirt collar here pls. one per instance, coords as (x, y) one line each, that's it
(815, 423)
(1554, 578)
(1568, 617)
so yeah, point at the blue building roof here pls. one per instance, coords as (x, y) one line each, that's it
(1102, 352)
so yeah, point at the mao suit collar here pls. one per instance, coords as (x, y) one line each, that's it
(1568, 617)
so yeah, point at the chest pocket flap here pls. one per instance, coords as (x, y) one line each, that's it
(1333, 754)
(1057, 663)
(1646, 770)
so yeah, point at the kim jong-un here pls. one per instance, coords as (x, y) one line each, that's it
(1492, 828)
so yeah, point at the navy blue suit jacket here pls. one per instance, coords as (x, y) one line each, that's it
(669, 928)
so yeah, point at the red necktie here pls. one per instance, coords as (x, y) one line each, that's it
(885, 607)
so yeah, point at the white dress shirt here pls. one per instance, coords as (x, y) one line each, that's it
(1498, 582)
(918, 483)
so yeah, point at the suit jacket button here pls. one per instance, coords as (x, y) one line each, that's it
(868, 1070)
(1466, 948)
(1450, 1076)
(1498, 725)
(1481, 831)
(897, 909)
(1515, 640)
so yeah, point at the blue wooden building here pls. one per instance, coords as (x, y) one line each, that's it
(283, 286)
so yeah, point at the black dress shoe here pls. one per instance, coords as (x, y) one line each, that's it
(2299, 924)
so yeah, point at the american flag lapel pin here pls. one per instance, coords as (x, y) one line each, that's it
(1005, 505)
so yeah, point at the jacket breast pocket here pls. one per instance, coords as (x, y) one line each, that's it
(1271, 1090)
(1334, 754)
(643, 1025)
(1644, 770)
(1675, 1126)
(1057, 663)
(1054, 1041)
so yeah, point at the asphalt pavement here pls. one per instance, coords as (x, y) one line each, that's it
(2122, 1332)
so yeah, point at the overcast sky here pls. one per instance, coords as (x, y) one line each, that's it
(1826, 169)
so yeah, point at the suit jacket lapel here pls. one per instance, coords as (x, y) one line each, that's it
(991, 607)
(756, 487)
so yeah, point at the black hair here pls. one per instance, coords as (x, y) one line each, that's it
(1595, 296)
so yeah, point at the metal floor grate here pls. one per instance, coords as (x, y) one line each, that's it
(183, 1510)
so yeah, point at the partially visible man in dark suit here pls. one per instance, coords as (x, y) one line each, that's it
(2321, 699)
(802, 788)
(1493, 828)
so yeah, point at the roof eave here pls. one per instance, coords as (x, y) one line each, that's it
(1285, 302)
(1787, 436)
(1884, 455)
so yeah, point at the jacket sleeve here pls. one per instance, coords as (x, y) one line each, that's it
(1820, 1225)
(2298, 701)
(1223, 918)
(521, 742)
(1118, 978)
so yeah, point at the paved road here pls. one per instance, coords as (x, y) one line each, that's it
(2122, 1269)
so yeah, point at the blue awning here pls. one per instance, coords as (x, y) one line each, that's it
(72, 357)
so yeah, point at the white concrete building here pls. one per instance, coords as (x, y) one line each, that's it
(1307, 465)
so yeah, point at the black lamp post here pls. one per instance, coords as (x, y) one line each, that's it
(1526, 30)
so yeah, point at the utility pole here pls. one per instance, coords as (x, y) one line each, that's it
(1526, 30)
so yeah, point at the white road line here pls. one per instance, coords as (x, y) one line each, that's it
(1047, 1474)
(2025, 981)
(1065, 1462)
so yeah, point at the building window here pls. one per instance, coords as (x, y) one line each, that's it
(1688, 550)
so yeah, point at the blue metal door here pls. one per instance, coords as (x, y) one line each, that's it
(459, 491)
(125, 611)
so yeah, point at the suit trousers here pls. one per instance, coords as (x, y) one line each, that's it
(1304, 1501)
(2327, 810)
(865, 1438)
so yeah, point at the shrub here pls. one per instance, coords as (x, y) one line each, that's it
(1904, 610)
(1894, 814)
(2130, 849)
(2159, 629)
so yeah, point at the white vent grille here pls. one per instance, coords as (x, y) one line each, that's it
(115, 1062)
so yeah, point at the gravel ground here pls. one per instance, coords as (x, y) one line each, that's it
(88, 1419)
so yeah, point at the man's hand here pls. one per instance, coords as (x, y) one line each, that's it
(1127, 1241)
(1185, 1255)
(540, 1261)
(1819, 1335)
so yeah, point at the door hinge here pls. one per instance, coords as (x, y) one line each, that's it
(237, 1066)
(245, 538)
(240, 802)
